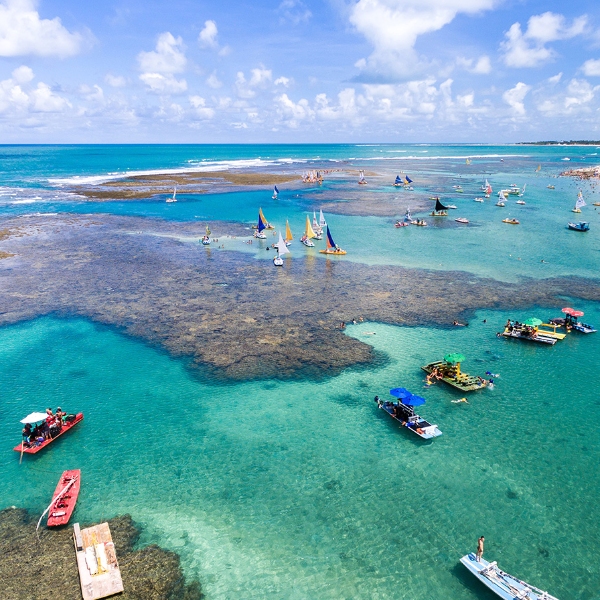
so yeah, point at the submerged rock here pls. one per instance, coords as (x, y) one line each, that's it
(46, 569)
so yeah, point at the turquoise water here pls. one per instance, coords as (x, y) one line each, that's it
(307, 490)
(35, 178)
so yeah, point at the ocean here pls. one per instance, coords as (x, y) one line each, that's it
(304, 489)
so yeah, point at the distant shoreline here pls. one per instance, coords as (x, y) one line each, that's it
(562, 143)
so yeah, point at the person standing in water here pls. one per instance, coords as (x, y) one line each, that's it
(480, 542)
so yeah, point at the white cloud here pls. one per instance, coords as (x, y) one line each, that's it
(294, 11)
(213, 81)
(208, 36)
(284, 81)
(591, 68)
(23, 74)
(529, 49)
(483, 66)
(576, 97)
(393, 26)
(293, 113)
(199, 105)
(515, 96)
(92, 94)
(45, 100)
(169, 56)
(258, 79)
(164, 84)
(115, 80)
(555, 78)
(23, 32)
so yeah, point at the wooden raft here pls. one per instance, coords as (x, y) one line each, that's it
(99, 572)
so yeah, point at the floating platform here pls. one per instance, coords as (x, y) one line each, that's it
(539, 337)
(460, 381)
(99, 572)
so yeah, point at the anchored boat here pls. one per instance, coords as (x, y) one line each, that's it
(570, 321)
(282, 248)
(579, 203)
(332, 247)
(288, 233)
(581, 226)
(512, 221)
(448, 371)
(65, 498)
(33, 446)
(440, 210)
(529, 331)
(502, 584)
(403, 411)
(275, 193)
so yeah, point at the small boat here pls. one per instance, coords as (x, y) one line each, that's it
(275, 193)
(502, 584)
(407, 216)
(522, 193)
(448, 371)
(487, 188)
(462, 220)
(512, 221)
(317, 228)
(34, 448)
(581, 226)
(174, 197)
(520, 202)
(407, 182)
(579, 203)
(403, 411)
(452, 206)
(527, 331)
(550, 187)
(398, 182)
(440, 210)
(322, 221)
(206, 238)
(306, 239)
(459, 189)
(584, 327)
(361, 179)
(419, 222)
(468, 161)
(261, 226)
(332, 247)
(570, 321)
(281, 250)
(596, 204)
(65, 498)
(479, 199)
(288, 234)
(434, 198)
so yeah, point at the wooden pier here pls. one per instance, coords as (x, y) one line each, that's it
(99, 572)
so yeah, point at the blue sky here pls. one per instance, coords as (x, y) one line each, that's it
(299, 71)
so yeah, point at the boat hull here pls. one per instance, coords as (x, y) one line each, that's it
(414, 423)
(63, 506)
(66, 427)
(333, 252)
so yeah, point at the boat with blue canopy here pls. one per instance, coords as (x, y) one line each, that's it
(581, 226)
(332, 247)
(403, 411)
(502, 584)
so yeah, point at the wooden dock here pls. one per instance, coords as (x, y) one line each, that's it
(99, 572)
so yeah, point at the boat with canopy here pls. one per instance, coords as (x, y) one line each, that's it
(332, 247)
(403, 411)
(528, 330)
(309, 234)
(448, 371)
(570, 321)
(37, 418)
(282, 249)
(502, 584)
(581, 226)
(440, 210)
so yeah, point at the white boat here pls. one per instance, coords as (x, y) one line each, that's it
(407, 216)
(275, 193)
(502, 584)
(523, 190)
(501, 198)
(206, 238)
(361, 179)
(322, 221)
(479, 200)
(309, 234)
(520, 202)
(580, 202)
(281, 250)
(316, 228)
(451, 206)
(174, 197)
(462, 220)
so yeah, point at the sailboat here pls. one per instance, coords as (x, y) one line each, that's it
(332, 247)
(398, 182)
(306, 239)
(322, 221)
(521, 195)
(440, 210)
(262, 225)
(261, 217)
(275, 193)
(488, 189)
(288, 233)
(361, 179)
(206, 238)
(468, 161)
(539, 168)
(407, 182)
(501, 199)
(174, 197)
(580, 202)
(281, 250)
(317, 228)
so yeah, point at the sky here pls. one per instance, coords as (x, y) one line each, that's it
(298, 71)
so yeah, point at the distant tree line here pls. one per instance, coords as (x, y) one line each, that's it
(563, 143)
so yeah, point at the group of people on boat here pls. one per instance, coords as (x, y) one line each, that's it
(524, 330)
(435, 374)
(45, 430)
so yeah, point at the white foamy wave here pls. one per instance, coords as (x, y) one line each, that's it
(202, 166)
(27, 201)
(412, 157)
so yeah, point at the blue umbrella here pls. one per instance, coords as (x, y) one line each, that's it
(413, 401)
(400, 393)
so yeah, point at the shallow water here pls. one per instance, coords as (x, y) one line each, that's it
(306, 490)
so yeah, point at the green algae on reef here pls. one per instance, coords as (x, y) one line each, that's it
(46, 569)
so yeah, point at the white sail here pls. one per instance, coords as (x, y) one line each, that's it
(282, 247)
(174, 192)
(580, 201)
(322, 221)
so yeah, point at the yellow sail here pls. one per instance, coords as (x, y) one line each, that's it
(310, 234)
(288, 232)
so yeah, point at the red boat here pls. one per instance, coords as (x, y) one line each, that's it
(34, 449)
(65, 498)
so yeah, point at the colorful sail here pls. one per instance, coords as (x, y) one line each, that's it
(309, 233)
(288, 232)
(330, 243)
(407, 180)
(207, 230)
(539, 168)
(275, 191)
(282, 246)
(398, 180)
(322, 222)
(262, 222)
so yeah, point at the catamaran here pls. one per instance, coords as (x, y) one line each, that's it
(309, 234)
(275, 193)
(206, 238)
(332, 247)
(288, 233)
(174, 197)
(281, 250)
(502, 584)
(579, 203)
